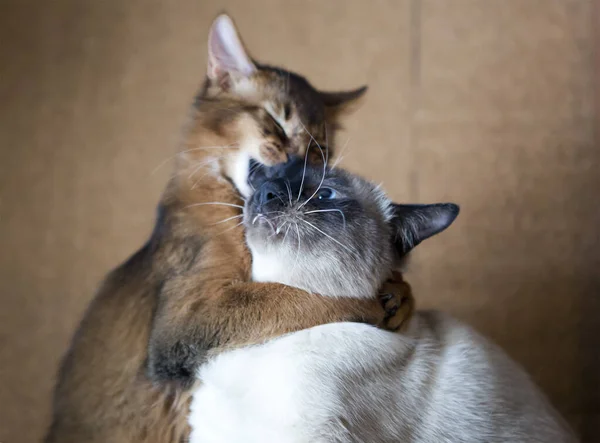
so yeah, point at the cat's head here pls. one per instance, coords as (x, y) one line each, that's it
(295, 109)
(329, 231)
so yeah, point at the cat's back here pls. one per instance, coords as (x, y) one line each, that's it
(346, 382)
(101, 376)
(476, 392)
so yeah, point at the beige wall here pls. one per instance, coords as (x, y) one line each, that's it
(487, 103)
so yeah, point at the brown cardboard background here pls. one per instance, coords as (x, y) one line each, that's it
(488, 103)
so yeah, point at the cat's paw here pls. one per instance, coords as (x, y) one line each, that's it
(398, 303)
(272, 153)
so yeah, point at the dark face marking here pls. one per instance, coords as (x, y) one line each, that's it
(310, 195)
(314, 227)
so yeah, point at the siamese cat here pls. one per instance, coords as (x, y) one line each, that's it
(330, 232)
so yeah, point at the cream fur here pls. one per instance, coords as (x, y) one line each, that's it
(345, 382)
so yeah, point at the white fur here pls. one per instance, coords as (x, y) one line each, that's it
(283, 264)
(383, 202)
(267, 267)
(346, 382)
(237, 171)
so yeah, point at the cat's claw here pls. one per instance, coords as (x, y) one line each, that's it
(398, 305)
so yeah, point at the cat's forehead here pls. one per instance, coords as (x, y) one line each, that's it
(290, 88)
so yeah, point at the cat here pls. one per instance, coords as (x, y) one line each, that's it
(439, 381)
(187, 291)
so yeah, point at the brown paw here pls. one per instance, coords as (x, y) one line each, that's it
(272, 153)
(398, 305)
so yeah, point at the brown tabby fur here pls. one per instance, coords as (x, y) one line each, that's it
(187, 292)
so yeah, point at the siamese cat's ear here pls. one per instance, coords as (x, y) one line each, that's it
(227, 56)
(342, 102)
(415, 223)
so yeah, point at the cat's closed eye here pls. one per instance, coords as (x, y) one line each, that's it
(280, 130)
(276, 117)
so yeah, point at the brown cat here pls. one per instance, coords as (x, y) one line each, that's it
(187, 291)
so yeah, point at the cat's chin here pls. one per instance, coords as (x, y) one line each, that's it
(267, 267)
(264, 239)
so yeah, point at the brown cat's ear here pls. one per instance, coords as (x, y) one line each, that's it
(342, 102)
(227, 56)
(415, 223)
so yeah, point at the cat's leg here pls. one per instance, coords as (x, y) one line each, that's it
(237, 314)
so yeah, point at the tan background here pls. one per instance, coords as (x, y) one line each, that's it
(488, 103)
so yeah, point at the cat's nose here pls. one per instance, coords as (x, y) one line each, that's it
(272, 191)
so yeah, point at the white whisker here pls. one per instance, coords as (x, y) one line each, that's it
(326, 146)
(198, 181)
(310, 135)
(255, 168)
(276, 217)
(305, 159)
(280, 199)
(229, 229)
(279, 228)
(161, 164)
(291, 272)
(329, 210)
(303, 171)
(227, 219)
(341, 154)
(205, 148)
(331, 238)
(214, 203)
(289, 189)
(320, 184)
(200, 165)
(286, 233)
(338, 160)
(326, 158)
(298, 250)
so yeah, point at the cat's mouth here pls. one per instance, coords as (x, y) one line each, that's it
(272, 224)
(268, 212)
(273, 213)
(264, 220)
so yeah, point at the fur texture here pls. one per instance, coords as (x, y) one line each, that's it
(127, 374)
(331, 232)
(438, 382)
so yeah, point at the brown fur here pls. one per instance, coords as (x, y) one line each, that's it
(186, 293)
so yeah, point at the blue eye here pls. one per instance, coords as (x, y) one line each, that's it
(326, 194)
